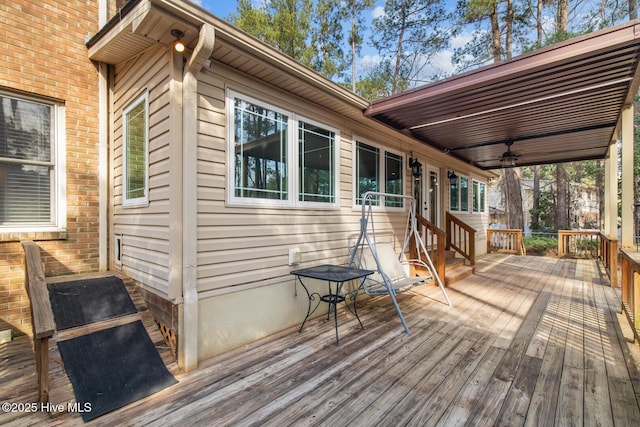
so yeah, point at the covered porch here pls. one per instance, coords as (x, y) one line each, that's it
(528, 341)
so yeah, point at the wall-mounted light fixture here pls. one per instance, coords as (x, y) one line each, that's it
(416, 167)
(453, 178)
(178, 45)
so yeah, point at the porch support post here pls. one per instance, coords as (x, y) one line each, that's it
(627, 203)
(610, 223)
(190, 318)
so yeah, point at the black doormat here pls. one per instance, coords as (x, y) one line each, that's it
(112, 368)
(81, 302)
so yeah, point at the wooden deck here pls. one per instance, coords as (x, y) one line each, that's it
(529, 341)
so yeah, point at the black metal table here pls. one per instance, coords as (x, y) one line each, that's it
(338, 275)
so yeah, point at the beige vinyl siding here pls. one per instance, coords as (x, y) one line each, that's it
(145, 229)
(241, 247)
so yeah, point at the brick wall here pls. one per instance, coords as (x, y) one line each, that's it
(43, 53)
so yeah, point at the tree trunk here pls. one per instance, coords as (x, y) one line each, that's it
(539, 29)
(495, 35)
(509, 37)
(633, 9)
(562, 17)
(535, 214)
(353, 51)
(600, 187)
(562, 204)
(513, 198)
(396, 74)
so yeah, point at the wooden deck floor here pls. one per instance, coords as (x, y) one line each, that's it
(529, 341)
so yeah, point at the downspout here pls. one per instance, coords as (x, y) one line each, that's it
(103, 150)
(200, 54)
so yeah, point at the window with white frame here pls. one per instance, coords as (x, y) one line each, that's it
(316, 153)
(32, 182)
(279, 158)
(136, 152)
(479, 196)
(459, 194)
(372, 164)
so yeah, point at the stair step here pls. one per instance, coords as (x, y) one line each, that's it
(451, 263)
(458, 273)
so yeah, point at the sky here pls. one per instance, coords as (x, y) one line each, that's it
(442, 63)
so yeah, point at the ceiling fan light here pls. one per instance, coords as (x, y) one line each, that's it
(508, 158)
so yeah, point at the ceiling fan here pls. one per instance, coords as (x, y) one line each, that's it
(508, 159)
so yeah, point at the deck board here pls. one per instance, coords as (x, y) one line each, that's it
(528, 342)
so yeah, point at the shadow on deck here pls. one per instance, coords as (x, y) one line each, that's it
(528, 341)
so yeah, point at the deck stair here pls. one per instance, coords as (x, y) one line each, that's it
(456, 268)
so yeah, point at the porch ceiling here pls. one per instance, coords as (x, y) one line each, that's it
(561, 103)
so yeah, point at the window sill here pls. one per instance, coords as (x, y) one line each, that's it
(17, 236)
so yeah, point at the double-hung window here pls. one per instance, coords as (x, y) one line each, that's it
(32, 181)
(378, 170)
(479, 196)
(280, 158)
(135, 152)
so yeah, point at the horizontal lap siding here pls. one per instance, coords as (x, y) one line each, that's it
(145, 230)
(244, 247)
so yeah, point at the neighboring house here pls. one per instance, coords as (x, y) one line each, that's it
(194, 173)
(584, 203)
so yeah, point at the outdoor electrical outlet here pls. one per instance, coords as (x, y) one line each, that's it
(295, 256)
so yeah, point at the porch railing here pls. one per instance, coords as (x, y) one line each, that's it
(578, 244)
(609, 257)
(41, 315)
(434, 241)
(507, 240)
(590, 244)
(461, 237)
(630, 292)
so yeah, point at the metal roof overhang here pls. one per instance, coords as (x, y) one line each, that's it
(557, 104)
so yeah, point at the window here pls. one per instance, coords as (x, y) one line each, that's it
(267, 165)
(317, 153)
(459, 194)
(464, 194)
(370, 166)
(479, 196)
(135, 151)
(454, 190)
(32, 181)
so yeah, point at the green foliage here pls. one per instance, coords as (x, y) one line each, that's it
(326, 37)
(545, 211)
(408, 35)
(541, 245)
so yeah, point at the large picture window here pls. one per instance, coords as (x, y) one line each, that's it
(135, 151)
(32, 194)
(280, 158)
(371, 165)
(260, 147)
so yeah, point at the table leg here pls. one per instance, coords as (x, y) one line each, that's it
(311, 297)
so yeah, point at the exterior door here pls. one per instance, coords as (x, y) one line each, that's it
(432, 196)
(426, 191)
